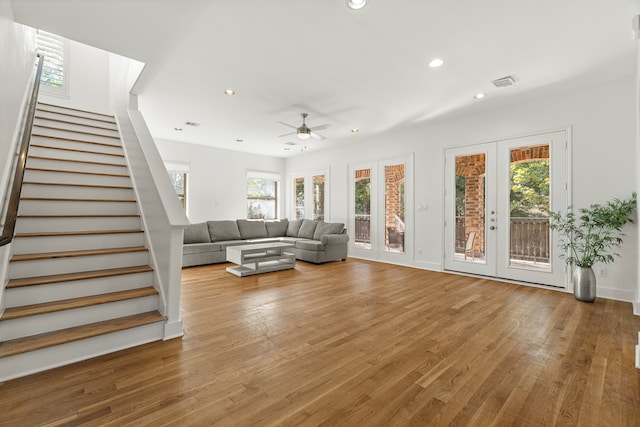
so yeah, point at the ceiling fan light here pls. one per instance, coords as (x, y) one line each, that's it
(304, 133)
(356, 4)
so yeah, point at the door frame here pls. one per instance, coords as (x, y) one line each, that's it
(568, 174)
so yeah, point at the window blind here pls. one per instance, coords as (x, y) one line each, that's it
(52, 47)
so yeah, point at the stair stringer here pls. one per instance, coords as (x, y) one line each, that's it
(162, 216)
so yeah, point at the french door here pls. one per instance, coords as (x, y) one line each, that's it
(381, 210)
(497, 198)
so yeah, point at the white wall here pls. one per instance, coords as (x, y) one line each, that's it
(603, 124)
(88, 80)
(16, 71)
(217, 185)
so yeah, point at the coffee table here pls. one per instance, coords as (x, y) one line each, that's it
(260, 258)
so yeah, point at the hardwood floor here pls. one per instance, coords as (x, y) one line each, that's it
(355, 343)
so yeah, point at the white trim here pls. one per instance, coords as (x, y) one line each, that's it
(264, 175)
(173, 330)
(173, 166)
(636, 308)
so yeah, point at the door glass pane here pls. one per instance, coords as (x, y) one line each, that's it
(299, 198)
(318, 197)
(529, 206)
(394, 201)
(362, 203)
(470, 208)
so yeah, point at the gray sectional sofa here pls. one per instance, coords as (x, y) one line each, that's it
(315, 241)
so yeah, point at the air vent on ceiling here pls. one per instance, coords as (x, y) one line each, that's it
(504, 81)
(194, 124)
(290, 143)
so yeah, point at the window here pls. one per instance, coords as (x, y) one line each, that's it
(179, 181)
(318, 196)
(54, 67)
(299, 197)
(262, 197)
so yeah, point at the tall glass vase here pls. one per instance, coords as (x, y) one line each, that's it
(584, 284)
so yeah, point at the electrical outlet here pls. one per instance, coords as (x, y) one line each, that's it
(419, 251)
(602, 272)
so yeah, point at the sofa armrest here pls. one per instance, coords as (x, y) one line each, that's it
(334, 239)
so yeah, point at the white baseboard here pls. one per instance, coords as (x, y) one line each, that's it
(636, 309)
(173, 330)
(615, 294)
(638, 352)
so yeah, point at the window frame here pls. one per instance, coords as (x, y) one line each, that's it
(266, 176)
(63, 90)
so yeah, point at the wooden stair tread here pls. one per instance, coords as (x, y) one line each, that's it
(62, 138)
(76, 123)
(76, 109)
(120, 175)
(105, 120)
(89, 162)
(77, 233)
(75, 131)
(71, 199)
(50, 339)
(69, 184)
(69, 254)
(76, 150)
(70, 277)
(69, 304)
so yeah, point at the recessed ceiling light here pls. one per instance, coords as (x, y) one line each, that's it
(356, 4)
(354, 130)
(287, 148)
(178, 129)
(479, 95)
(229, 92)
(436, 62)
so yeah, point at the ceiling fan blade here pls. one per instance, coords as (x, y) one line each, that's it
(316, 135)
(287, 124)
(287, 134)
(321, 127)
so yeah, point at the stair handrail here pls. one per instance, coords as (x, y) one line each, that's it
(16, 188)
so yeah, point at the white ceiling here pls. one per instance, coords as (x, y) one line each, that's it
(363, 69)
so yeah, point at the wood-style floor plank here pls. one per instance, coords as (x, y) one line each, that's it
(355, 343)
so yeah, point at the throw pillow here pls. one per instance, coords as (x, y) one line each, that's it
(327, 228)
(277, 228)
(307, 228)
(196, 233)
(252, 229)
(223, 230)
(293, 228)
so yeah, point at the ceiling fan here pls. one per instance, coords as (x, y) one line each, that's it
(303, 131)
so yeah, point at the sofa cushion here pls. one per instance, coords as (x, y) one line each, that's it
(277, 228)
(327, 228)
(223, 230)
(307, 228)
(252, 229)
(293, 228)
(196, 233)
(198, 248)
(310, 245)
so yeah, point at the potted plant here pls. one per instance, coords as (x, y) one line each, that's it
(591, 236)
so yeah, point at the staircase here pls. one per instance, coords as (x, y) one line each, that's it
(80, 284)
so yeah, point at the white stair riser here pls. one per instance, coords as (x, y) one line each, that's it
(93, 128)
(37, 294)
(74, 135)
(32, 175)
(42, 323)
(30, 245)
(35, 225)
(46, 267)
(51, 357)
(61, 165)
(64, 110)
(37, 190)
(75, 119)
(76, 155)
(113, 147)
(33, 207)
